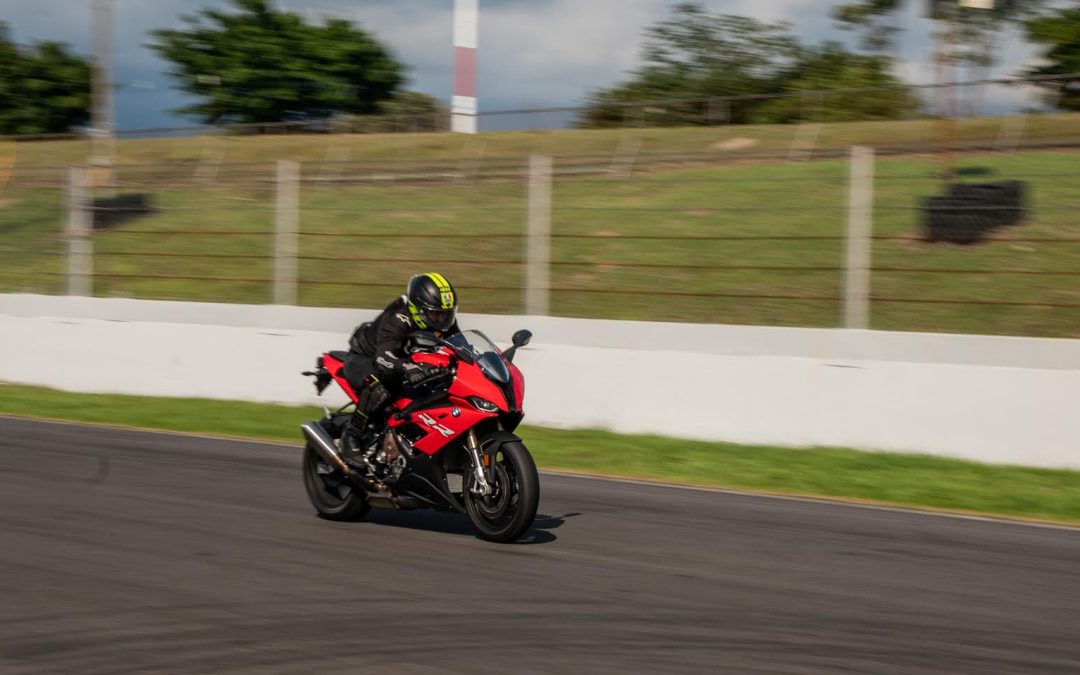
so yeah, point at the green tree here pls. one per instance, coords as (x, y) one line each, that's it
(405, 111)
(831, 67)
(256, 64)
(427, 111)
(976, 31)
(694, 56)
(43, 89)
(1060, 33)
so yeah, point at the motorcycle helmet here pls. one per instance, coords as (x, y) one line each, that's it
(432, 302)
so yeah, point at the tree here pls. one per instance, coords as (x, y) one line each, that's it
(976, 28)
(405, 111)
(43, 89)
(427, 111)
(831, 67)
(693, 57)
(1060, 33)
(256, 64)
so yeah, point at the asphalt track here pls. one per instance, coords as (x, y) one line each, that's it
(136, 552)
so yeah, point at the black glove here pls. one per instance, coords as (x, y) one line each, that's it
(420, 373)
(373, 395)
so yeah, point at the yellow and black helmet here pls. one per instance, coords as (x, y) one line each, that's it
(432, 301)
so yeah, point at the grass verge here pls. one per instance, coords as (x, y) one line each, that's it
(909, 480)
(678, 244)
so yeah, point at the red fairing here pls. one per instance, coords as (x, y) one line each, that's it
(470, 381)
(439, 359)
(440, 426)
(519, 386)
(336, 368)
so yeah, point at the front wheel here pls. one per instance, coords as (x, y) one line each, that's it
(330, 492)
(508, 512)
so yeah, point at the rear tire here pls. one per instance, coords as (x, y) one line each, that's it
(330, 492)
(508, 513)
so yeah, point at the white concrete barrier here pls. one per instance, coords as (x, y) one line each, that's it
(994, 399)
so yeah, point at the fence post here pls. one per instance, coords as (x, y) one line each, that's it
(538, 237)
(80, 264)
(859, 229)
(286, 228)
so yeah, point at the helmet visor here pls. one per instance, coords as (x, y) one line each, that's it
(439, 319)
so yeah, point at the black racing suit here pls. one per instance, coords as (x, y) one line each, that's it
(377, 347)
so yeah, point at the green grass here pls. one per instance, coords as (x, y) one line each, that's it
(567, 143)
(592, 277)
(912, 480)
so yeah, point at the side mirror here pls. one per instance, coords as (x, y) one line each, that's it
(520, 339)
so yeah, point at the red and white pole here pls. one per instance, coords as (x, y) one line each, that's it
(466, 29)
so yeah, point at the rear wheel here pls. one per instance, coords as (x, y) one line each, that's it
(508, 512)
(330, 492)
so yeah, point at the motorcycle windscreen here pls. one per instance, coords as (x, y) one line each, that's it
(487, 355)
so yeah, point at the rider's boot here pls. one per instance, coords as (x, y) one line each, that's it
(354, 437)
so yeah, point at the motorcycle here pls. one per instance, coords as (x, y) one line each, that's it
(448, 444)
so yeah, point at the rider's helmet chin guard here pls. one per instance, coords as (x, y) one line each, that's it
(432, 302)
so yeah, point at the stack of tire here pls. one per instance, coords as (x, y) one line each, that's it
(971, 211)
(109, 212)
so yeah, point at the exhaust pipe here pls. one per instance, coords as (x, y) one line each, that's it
(324, 445)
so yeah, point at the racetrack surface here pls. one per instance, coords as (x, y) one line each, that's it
(137, 552)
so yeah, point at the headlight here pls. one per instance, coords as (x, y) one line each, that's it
(482, 404)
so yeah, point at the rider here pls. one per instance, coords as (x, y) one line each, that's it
(377, 366)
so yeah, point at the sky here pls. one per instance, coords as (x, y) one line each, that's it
(533, 53)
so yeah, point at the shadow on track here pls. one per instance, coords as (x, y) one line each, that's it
(452, 523)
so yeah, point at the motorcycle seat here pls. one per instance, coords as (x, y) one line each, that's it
(340, 356)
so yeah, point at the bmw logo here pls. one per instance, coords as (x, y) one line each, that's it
(456, 412)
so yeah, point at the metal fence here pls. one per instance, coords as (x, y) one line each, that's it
(841, 241)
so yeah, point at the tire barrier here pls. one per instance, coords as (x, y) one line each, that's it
(973, 210)
(113, 211)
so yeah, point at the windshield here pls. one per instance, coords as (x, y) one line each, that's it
(485, 352)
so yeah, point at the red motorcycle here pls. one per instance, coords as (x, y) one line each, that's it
(448, 443)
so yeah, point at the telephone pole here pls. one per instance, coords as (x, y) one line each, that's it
(103, 120)
(945, 61)
(463, 102)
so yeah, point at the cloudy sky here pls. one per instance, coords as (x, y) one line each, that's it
(532, 52)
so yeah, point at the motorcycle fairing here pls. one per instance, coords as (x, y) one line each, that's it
(440, 425)
(425, 479)
(336, 368)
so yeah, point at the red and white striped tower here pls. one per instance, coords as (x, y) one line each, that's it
(466, 28)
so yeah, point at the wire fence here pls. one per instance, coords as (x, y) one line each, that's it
(752, 243)
(1011, 96)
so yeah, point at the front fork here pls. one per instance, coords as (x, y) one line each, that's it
(472, 444)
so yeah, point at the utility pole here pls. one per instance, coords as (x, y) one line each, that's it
(463, 103)
(103, 118)
(945, 75)
(946, 58)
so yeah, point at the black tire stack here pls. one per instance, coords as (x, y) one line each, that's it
(109, 212)
(973, 210)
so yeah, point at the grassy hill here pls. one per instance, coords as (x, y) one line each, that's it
(726, 237)
(719, 142)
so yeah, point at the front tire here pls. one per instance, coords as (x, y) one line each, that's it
(330, 492)
(509, 511)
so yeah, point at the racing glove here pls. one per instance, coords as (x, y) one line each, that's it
(415, 374)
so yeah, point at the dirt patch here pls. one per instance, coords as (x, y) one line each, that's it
(735, 144)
